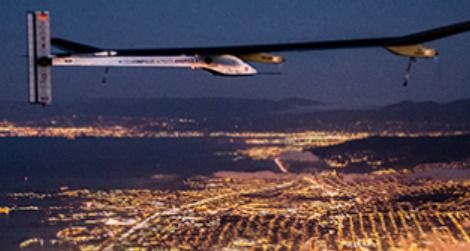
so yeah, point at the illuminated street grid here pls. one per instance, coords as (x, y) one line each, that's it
(326, 211)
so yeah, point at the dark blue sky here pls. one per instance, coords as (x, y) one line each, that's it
(347, 77)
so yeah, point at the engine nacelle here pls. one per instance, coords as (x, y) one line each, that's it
(415, 50)
(264, 58)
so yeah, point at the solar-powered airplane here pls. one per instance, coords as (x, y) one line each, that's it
(223, 60)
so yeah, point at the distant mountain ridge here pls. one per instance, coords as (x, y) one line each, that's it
(258, 114)
(429, 110)
(411, 105)
(293, 101)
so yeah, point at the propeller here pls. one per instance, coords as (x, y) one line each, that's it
(277, 72)
(270, 73)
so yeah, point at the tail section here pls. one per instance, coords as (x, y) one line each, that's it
(39, 57)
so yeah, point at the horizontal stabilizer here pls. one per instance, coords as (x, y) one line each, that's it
(73, 47)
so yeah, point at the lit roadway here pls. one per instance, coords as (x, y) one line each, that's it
(145, 222)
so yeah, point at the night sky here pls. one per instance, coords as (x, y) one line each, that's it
(346, 77)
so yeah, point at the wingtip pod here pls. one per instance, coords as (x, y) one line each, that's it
(39, 61)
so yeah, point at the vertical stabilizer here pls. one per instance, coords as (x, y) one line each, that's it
(39, 57)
